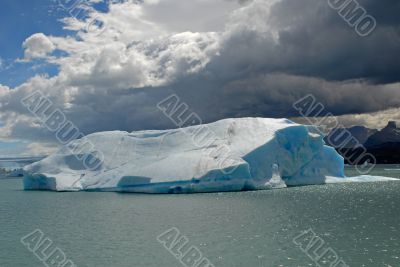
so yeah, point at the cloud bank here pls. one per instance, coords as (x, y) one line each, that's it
(223, 58)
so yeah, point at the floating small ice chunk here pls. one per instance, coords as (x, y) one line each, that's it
(276, 179)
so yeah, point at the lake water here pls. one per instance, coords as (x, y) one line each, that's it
(359, 222)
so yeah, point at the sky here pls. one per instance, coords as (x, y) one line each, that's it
(106, 64)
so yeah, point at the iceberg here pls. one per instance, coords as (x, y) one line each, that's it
(227, 155)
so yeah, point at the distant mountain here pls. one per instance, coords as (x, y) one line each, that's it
(383, 144)
(337, 136)
(383, 138)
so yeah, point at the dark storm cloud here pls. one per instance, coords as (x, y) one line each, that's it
(313, 40)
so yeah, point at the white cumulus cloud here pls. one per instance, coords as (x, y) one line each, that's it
(38, 46)
(4, 90)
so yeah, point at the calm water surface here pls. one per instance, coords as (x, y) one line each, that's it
(360, 222)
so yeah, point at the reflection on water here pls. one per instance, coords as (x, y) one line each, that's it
(388, 170)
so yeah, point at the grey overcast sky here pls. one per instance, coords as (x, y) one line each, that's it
(223, 58)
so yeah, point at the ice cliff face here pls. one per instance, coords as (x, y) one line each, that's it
(227, 155)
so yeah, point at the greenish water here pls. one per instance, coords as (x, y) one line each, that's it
(360, 222)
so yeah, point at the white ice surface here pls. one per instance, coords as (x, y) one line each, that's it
(227, 155)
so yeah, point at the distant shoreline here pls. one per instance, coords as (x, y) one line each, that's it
(10, 178)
